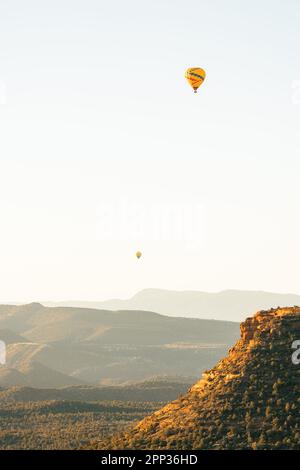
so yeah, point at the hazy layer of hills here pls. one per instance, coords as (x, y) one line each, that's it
(67, 346)
(250, 399)
(159, 389)
(233, 305)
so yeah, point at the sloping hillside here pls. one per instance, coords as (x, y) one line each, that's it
(102, 347)
(250, 399)
(9, 337)
(34, 374)
(45, 325)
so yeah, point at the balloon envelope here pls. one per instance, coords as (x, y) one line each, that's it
(195, 77)
(138, 254)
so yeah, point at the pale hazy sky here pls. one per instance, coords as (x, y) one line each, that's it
(105, 149)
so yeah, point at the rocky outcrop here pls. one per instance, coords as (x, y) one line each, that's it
(266, 320)
(250, 399)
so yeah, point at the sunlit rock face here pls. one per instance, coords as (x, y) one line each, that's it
(249, 400)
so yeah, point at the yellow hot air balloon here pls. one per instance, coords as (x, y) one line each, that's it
(138, 254)
(195, 77)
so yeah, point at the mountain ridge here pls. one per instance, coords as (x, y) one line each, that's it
(230, 304)
(106, 347)
(249, 400)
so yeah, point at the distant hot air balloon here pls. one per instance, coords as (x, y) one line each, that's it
(195, 76)
(138, 254)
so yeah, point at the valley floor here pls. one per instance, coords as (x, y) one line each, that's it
(65, 424)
